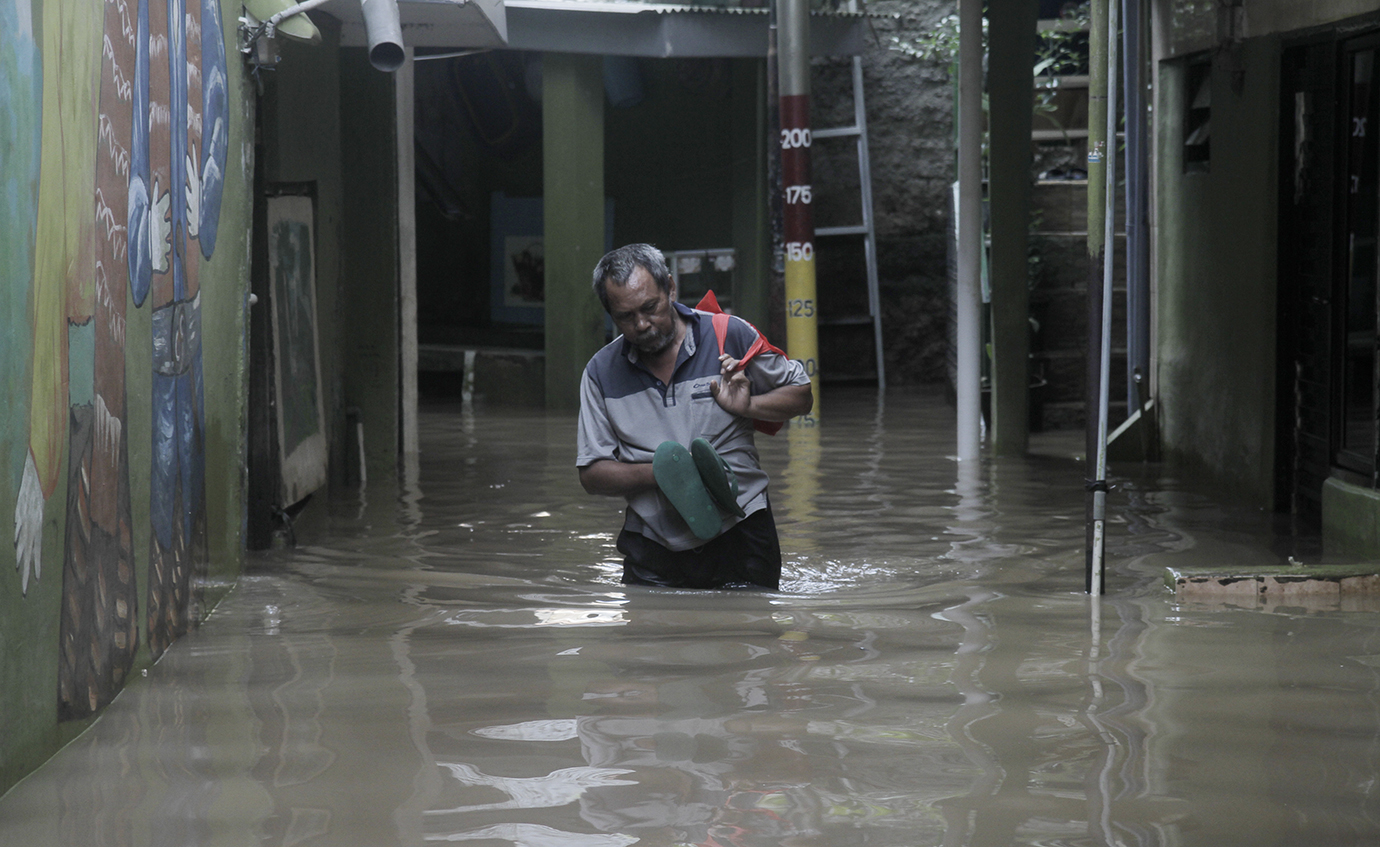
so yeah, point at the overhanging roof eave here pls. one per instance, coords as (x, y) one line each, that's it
(666, 32)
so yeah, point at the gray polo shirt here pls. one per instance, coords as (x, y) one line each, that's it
(625, 413)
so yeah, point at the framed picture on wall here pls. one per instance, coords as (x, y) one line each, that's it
(517, 258)
(296, 357)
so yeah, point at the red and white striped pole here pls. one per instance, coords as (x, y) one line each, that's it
(802, 312)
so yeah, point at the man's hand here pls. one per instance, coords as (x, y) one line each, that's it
(734, 395)
(28, 526)
(732, 391)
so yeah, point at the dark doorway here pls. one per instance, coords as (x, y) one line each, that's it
(1329, 253)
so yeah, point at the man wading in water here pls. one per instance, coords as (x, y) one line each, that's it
(666, 421)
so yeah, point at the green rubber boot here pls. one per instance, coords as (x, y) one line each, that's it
(679, 479)
(717, 476)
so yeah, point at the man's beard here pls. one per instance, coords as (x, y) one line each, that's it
(654, 341)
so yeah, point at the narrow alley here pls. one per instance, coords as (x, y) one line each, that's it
(455, 661)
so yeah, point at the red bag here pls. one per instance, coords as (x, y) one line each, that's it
(710, 303)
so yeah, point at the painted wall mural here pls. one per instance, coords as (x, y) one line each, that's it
(134, 138)
(21, 94)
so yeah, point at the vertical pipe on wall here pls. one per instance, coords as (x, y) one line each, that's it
(968, 334)
(798, 227)
(1137, 185)
(407, 260)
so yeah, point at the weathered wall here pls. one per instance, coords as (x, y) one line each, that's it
(1215, 273)
(368, 310)
(122, 307)
(299, 112)
(910, 120)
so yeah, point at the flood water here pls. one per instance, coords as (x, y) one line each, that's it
(459, 663)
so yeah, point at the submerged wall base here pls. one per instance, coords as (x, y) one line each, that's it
(1351, 519)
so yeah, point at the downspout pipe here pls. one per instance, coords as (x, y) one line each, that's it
(384, 29)
(381, 23)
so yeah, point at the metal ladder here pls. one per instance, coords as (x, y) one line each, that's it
(867, 228)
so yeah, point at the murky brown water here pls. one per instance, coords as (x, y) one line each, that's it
(460, 664)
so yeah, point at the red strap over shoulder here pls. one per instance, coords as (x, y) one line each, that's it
(710, 303)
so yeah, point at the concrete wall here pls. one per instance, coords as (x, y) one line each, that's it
(1215, 273)
(298, 112)
(121, 474)
(1187, 26)
(367, 312)
(910, 119)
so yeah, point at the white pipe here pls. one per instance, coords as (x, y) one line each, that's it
(384, 31)
(1104, 388)
(271, 25)
(968, 328)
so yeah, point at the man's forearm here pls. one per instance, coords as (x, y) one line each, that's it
(781, 404)
(617, 479)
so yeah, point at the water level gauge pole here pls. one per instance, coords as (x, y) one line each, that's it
(802, 314)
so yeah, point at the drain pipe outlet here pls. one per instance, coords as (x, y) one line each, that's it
(385, 34)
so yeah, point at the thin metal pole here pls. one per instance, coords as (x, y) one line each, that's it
(1137, 237)
(1108, 266)
(968, 327)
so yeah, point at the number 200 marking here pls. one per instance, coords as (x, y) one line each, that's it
(795, 138)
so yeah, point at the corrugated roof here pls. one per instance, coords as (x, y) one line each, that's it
(629, 7)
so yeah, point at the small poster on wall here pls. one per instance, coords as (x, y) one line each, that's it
(297, 367)
(517, 260)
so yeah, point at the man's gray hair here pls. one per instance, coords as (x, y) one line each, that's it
(617, 267)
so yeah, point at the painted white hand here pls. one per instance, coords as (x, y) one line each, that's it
(28, 526)
(193, 194)
(160, 228)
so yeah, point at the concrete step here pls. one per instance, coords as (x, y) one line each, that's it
(1311, 587)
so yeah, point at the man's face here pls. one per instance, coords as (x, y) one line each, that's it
(643, 313)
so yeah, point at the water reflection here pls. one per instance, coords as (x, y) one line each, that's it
(455, 661)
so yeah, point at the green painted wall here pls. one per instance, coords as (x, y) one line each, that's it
(573, 213)
(1215, 274)
(751, 223)
(83, 379)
